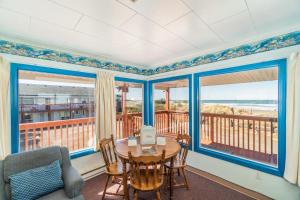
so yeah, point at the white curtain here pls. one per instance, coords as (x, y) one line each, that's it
(105, 106)
(4, 109)
(292, 166)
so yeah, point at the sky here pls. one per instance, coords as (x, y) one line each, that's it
(264, 90)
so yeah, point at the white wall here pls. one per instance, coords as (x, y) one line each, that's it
(272, 186)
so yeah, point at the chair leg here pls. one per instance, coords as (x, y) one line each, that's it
(178, 172)
(135, 193)
(185, 179)
(157, 194)
(104, 192)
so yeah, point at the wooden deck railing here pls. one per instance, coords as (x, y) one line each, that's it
(172, 122)
(248, 136)
(73, 133)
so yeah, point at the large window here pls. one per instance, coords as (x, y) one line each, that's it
(55, 109)
(171, 99)
(239, 113)
(129, 107)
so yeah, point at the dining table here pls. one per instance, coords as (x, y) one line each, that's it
(171, 147)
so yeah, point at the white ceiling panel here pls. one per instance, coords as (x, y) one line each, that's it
(145, 32)
(143, 28)
(214, 10)
(162, 12)
(272, 15)
(193, 30)
(21, 23)
(237, 27)
(96, 28)
(178, 46)
(44, 10)
(45, 33)
(108, 11)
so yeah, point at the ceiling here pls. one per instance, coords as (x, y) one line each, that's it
(144, 33)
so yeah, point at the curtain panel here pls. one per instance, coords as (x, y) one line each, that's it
(4, 108)
(105, 106)
(292, 164)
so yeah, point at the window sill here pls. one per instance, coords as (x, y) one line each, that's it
(82, 153)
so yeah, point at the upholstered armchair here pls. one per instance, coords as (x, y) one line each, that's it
(20, 162)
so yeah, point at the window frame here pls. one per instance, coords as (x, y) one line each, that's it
(14, 92)
(189, 77)
(281, 65)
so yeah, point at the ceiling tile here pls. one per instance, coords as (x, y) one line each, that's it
(20, 23)
(65, 39)
(273, 15)
(96, 28)
(162, 12)
(193, 30)
(108, 11)
(142, 52)
(145, 29)
(235, 28)
(214, 10)
(178, 46)
(44, 10)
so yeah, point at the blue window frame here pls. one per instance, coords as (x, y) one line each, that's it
(14, 79)
(163, 80)
(281, 66)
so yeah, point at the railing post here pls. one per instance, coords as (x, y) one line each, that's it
(212, 129)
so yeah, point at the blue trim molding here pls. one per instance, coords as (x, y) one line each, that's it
(277, 42)
(279, 170)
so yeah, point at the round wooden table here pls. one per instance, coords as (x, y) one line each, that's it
(172, 148)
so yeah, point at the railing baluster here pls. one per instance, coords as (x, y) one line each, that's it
(253, 132)
(271, 138)
(265, 138)
(259, 135)
(248, 133)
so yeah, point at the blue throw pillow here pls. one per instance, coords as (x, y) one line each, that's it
(34, 183)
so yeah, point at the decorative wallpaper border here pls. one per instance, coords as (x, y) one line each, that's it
(13, 48)
(277, 42)
(269, 44)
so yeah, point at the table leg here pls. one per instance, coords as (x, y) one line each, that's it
(171, 177)
(125, 186)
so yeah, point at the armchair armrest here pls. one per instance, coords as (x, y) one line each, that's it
(73, 182)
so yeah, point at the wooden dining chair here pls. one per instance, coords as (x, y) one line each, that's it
(114, 168)
(184, 141)
(146, 173)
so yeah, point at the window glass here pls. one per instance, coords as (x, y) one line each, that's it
(55, 110)
(239, 114)
(171, 105)
(129, 107)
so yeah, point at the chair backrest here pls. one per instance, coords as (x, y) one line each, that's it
(152, 167)
(107, 147)
(184, 140)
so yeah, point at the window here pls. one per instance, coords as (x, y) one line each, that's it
(240, 113)
(54, 109)
(129, 107)
(171, 100)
